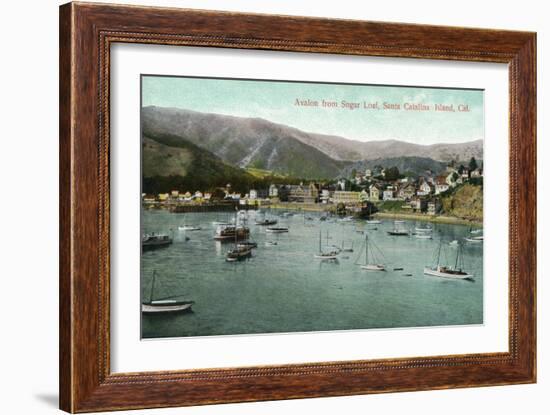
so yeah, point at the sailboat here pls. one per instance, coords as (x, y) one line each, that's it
(167, 305)
(372, 221)
(446, 271)
(371, 261)
(347, 249)
(266, 221)
(333, 254)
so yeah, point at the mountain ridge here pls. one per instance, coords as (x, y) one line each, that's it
(262, 144)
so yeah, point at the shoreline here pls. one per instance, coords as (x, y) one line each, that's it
(307, 207)
(426, 218)
(318, 207)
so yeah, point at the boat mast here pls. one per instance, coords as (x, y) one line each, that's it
(366, 249)
(439, 251)
(458, 257)
(236, 227)
(320, 250)
(152, 286)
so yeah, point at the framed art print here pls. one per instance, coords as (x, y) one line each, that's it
(254, 209)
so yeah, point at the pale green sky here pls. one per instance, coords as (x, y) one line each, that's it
(276, 101)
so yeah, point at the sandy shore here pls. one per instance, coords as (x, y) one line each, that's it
(427, 218)
(308, 207)
(319, 207)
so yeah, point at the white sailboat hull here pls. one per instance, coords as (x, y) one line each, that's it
(276, 230)
(164, 308)
(476, 240)
(326, 256)
(440, 274)
(373, 267)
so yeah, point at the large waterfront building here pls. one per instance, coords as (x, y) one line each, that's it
(346, 197)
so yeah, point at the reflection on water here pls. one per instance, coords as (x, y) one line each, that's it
(283, 288)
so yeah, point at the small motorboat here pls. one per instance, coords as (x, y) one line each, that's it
(374, 222)
(153, 241)
(217, 223)
(266, 222)
(281, 229)
(238, 254)
(189, 228)
(475, 239)
(247, 244)
(270, 243)
(231, 232)
(423, 236)
(398, 232)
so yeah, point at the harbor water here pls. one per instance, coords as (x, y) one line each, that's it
(283, 288)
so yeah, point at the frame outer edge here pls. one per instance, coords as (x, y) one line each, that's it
(66, 120)
(82, 388)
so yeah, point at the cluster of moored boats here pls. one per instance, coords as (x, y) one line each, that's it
(370, 256)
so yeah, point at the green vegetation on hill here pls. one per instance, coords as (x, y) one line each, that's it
(391, 206)
(465, 202)
(169, 163)
(172, 163)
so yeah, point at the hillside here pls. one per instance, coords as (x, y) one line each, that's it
(244, 142)
(416, 165)
(261, 144)
(168, 163)
(341, 148)
(465, 202)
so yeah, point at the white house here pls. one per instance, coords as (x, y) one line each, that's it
(451, 178)
(273, 191)
(388, 193)
(342, 184)
(477, 173)
(374, 192)
(253, 194)
(325, 196)
(424, 188)
(441, 185)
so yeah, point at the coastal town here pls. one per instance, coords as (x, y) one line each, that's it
(364, 193)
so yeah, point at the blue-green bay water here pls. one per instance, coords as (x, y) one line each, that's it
(283, 288)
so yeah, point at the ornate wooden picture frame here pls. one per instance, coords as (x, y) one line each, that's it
(87, 32)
